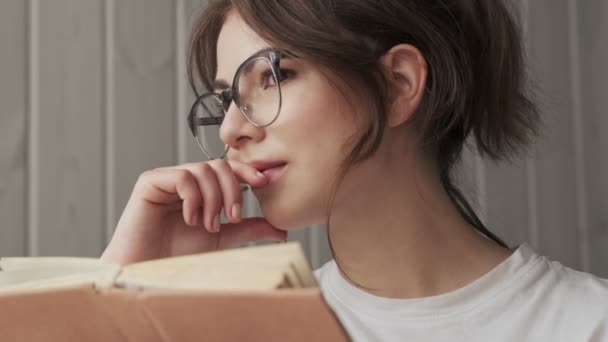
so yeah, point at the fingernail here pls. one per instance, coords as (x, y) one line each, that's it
(260, 175)
(236, 211)
(216, 223)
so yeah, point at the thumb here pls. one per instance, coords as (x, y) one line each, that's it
(249, 229)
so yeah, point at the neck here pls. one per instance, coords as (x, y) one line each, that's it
(403, 238)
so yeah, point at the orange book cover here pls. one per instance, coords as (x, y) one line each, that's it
(86, 313)
(110, 305)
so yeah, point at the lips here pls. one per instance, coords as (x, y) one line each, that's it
(271, 169)
(263, 165)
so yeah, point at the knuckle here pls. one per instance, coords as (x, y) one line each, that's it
(194, 196)
(203, 168)
(183, 176)
(146, 175)
(221, 165)
(233, 164)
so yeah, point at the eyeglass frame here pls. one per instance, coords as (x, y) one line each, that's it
(231, 95)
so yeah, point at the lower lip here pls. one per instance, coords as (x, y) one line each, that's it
(274, 173)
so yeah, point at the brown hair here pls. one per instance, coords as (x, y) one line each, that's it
(476, 81)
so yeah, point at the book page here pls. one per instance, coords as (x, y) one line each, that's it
(44, 278)
(260, 267)
(15, 263)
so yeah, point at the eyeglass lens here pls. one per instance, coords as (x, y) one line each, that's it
(259, 99)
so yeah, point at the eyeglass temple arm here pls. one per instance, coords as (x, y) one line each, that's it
(208, 121)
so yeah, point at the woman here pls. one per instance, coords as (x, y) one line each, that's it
(353, 113)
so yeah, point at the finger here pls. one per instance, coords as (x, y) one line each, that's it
(164, 186)
(246, 173)
(231, 190)
(249, 229)
(211, 193)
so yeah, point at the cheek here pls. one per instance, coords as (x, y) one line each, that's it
(315, 138)
(316, 119)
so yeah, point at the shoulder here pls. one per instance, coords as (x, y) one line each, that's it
(571, 301)
(547, 280)
(577, 289)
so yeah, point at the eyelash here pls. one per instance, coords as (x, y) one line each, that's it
(284, 74)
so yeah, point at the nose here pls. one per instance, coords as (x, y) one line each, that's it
(236, 130)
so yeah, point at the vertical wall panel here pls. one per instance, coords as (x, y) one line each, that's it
(182, 8)
(507, 202)
(556, 172)
(593, 27)
(466, 175)
(109, 119)
(530, 161)
(69, 142)
(578, 133)
(13, 148)
(506, 184)
(33, 126)
(144, 125)
(192, 10)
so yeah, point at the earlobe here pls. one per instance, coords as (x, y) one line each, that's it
(406, 71)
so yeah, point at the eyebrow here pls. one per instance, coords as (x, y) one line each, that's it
(223, 84)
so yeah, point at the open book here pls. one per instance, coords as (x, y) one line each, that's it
(255, 268)
(262, 293)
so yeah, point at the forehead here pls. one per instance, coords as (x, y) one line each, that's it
(236, 42)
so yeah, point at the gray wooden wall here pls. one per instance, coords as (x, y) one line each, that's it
(92, 93)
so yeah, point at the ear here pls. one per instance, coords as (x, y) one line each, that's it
(406, 71)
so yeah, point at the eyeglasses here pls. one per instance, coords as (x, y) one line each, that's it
(256, 90)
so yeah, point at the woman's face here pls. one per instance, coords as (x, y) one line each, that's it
(309, 134)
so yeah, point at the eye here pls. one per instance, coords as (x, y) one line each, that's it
(283, 75)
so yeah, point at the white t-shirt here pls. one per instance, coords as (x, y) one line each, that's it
(525, 298)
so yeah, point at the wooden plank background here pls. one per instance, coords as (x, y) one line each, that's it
(592, 90)
(69, 142)
(13, 132)
(93, 93)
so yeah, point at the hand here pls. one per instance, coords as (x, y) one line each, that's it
(176, 211)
